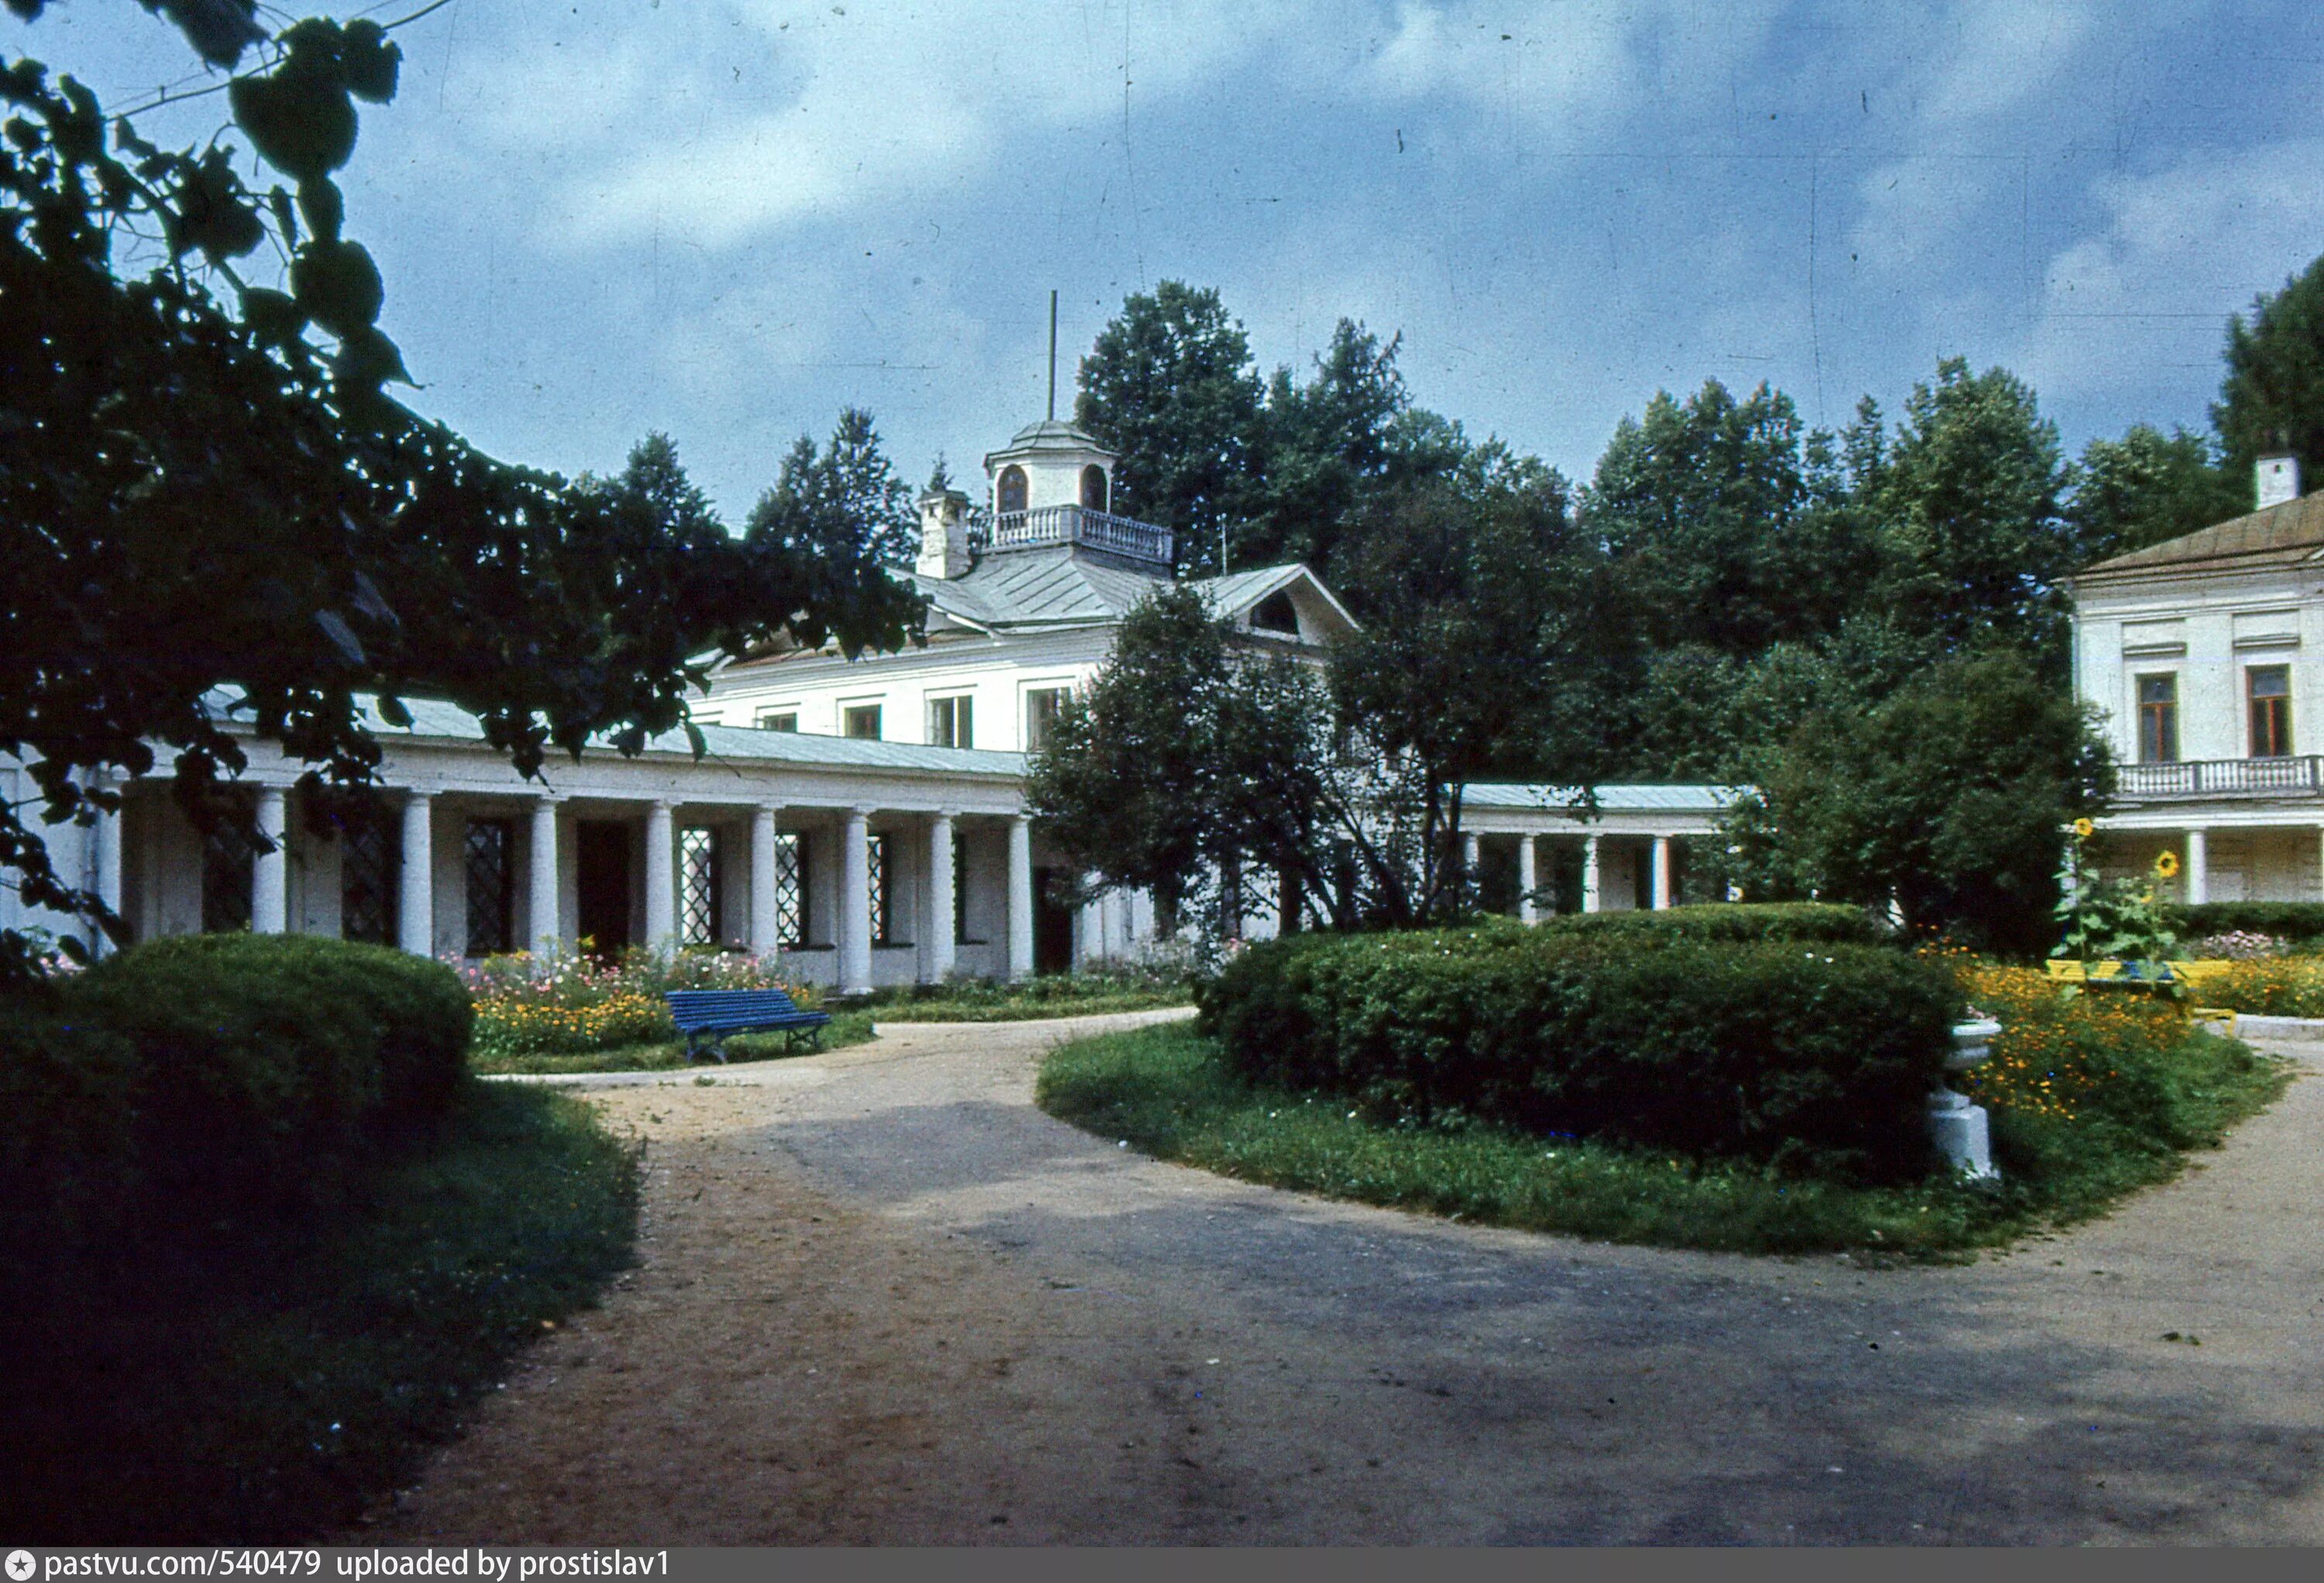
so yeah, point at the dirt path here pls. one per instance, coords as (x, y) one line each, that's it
(883, 1299)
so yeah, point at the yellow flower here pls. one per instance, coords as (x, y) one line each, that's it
(2166, 867)
(2085, 829)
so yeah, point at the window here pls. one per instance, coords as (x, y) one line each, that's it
(2269, 689)
(861, 720)
(1042, 707)
(2158, 720)
(1009, 496)
(1094, 487)
(488, 858)
(951, 723)
(1275, 613)
(875, 863)
(779, 720)
(226, 866)
(698, 886)
(790, 887)
(368, 875)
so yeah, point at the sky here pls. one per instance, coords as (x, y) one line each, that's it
(726, 219)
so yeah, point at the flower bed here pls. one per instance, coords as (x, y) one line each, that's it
(529, 1005)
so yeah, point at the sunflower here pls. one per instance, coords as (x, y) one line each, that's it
(2166, 867)
(2085, 829)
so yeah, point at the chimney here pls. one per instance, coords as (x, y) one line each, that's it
(2279, 480)
(943, 534)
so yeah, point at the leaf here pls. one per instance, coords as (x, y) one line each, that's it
(370, 61)
(273, 317)
(320, 203)
(338, 286)
(299, 119)
(695, 740)
(392, 710)
(342, 636)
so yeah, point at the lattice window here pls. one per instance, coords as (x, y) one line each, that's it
(790, 887)
(489, 859)
(876, 851)
(227, 863)
(368, 847)
(698, 890)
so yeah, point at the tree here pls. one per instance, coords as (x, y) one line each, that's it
(1946, 800)
(1322, 445)
(2272, 399)
(1968, 502)
(2148, 487)
(204, 508)
(1170, 388)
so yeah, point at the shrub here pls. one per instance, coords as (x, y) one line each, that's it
(1770, 1051)
(1734, 922)
(2291, 920)
(569, 1005)
(2237, 945)
(68, 1154)
(237, 1071)
(2275, 986)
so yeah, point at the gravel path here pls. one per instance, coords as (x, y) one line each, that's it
(885, 1299)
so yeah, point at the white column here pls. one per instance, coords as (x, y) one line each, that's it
(1093, 931)
(269, 871)
(1662, 884)
(1528, 879)
(1472, 861)
(542, 911)
(938, 949)
(108, 871)
(415, 895)
(1021, 896)
(763, 937)
(855, 900)
(2199, 867)
(661, 878)
(1589, 874)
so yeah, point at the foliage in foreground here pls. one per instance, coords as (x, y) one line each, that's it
(843, 1029)
(261, 1386)
(567, 1004)
(1169, 1090)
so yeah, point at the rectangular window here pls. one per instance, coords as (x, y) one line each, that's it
(1042, 707)
(779, 720)
(489, 859)
(875, 855)
(790, 887)
(2158, 720)
(951, 723)
(697, 885)
(368, 849)
(862, 720)
(226, 871)
(2269, 689)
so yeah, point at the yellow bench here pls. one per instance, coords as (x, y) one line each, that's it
(2193, 975)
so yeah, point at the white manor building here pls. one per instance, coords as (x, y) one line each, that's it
(2205, 656)
(864, 818)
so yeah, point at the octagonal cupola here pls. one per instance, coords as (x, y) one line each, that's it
(1049, 463)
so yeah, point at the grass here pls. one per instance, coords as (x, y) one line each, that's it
(1168, 1092)
(262, 1388)
(847, 1028)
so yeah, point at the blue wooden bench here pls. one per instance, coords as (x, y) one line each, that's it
(710, 1015)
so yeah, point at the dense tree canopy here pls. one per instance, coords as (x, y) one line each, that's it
(2272, 399)
(209, 498)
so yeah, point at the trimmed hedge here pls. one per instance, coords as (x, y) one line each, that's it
(1770, 1051)
(193, 1078)
(1730, 921)
(2288, 920)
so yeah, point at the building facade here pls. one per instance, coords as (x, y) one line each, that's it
(2204, 658)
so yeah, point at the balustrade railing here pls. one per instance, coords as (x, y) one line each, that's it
(1121, 536)
(2224, 778)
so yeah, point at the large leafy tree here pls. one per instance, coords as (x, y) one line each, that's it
(2272, 399)
(1324, 446)
(1169, 386)
(210, 504)
(1945, 799)
(847, 498)
(2147, 487)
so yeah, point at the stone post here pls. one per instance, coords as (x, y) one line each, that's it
(1661, 873)
(415, 895)
(1021, 896)
(662, 876)
(1528, 879)
(2198, 866)
(939, 948)
(1589, 903)
(856, 901)
(764, 934)
(270, 870)
(543, 923)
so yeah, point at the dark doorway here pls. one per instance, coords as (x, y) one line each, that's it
(1052, 922)
(602, 851)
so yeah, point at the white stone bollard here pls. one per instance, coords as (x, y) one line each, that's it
(1956, 1126)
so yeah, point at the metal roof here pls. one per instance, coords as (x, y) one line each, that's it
(1611, 799)
(1053, 586)
(435, 719)
(2282, 535)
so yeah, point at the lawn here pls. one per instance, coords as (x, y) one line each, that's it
(851, 1027)
(262, 1388)
(1167, 1090)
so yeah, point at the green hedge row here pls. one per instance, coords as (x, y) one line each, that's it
(1789, 1053)
(190, 1079)
(2288, 920)
(1732, 922)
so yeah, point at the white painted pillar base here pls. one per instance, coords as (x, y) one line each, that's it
(764, 937)
(1021, 896)
(856, 901)
(2199, 867)
(661, 878)
(1590, 892)
(1661, 873)
(541, 920)
(107, 884)
(269, 871)
(415, 895)
(939, 949)
(1528, 879)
